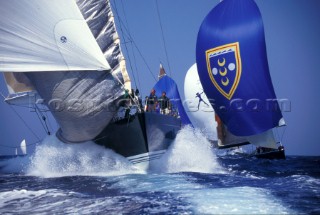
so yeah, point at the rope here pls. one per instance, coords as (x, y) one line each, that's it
(22, 120)
(130, 39)
(126, 31)
(44, 123)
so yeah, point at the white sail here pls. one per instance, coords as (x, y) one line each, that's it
(197, 105)
(75, 65)
(23, 148)
(265, 139)
(203, 116)
(46, 36)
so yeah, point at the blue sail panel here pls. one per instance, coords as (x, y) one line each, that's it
(233, 68)
(168, 85)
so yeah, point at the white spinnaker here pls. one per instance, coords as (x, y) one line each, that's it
(204, 117)
(200, 113)
(265, 139)
(38, 35)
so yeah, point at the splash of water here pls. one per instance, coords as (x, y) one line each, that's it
(55, 159)
(190, 152)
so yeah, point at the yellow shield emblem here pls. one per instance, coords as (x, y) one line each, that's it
(224, 68)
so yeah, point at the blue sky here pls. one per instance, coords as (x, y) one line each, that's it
(292, 36)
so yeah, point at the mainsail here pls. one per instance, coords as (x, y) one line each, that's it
(80, 79)
(233, 68)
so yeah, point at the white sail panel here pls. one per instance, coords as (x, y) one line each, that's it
(46, 36)
(265, 139)
(197, 105)
(23, 147)
(202, 114)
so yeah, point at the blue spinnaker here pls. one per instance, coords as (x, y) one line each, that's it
(233, 68)
(168, 85)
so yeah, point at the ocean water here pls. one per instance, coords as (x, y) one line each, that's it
(192, 178)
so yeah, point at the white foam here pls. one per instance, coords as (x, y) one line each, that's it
(55, 159)
(190, 152)
(201, 199)
(236, 200)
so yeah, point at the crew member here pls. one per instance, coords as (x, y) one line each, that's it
(164, 103)
(152, 101)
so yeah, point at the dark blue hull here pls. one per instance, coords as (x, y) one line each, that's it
(273, 154)
(140, 137)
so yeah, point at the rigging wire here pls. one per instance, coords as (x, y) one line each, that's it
(22, 120)
(135, 45)
(49, 123)
(133, 53)
(125, 45)
(280, 133)
(41, 116)
(163, 39)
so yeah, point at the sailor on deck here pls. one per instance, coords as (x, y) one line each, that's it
(164, 103)
(152, 101)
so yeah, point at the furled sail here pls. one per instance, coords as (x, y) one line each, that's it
(168, 85)
(233, 68)
(52, 44)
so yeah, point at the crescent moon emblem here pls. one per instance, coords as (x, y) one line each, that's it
(224, 72)
(225, 83)
(222, 63)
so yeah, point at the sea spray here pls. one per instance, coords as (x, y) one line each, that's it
(190, 152)
(55, 159)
